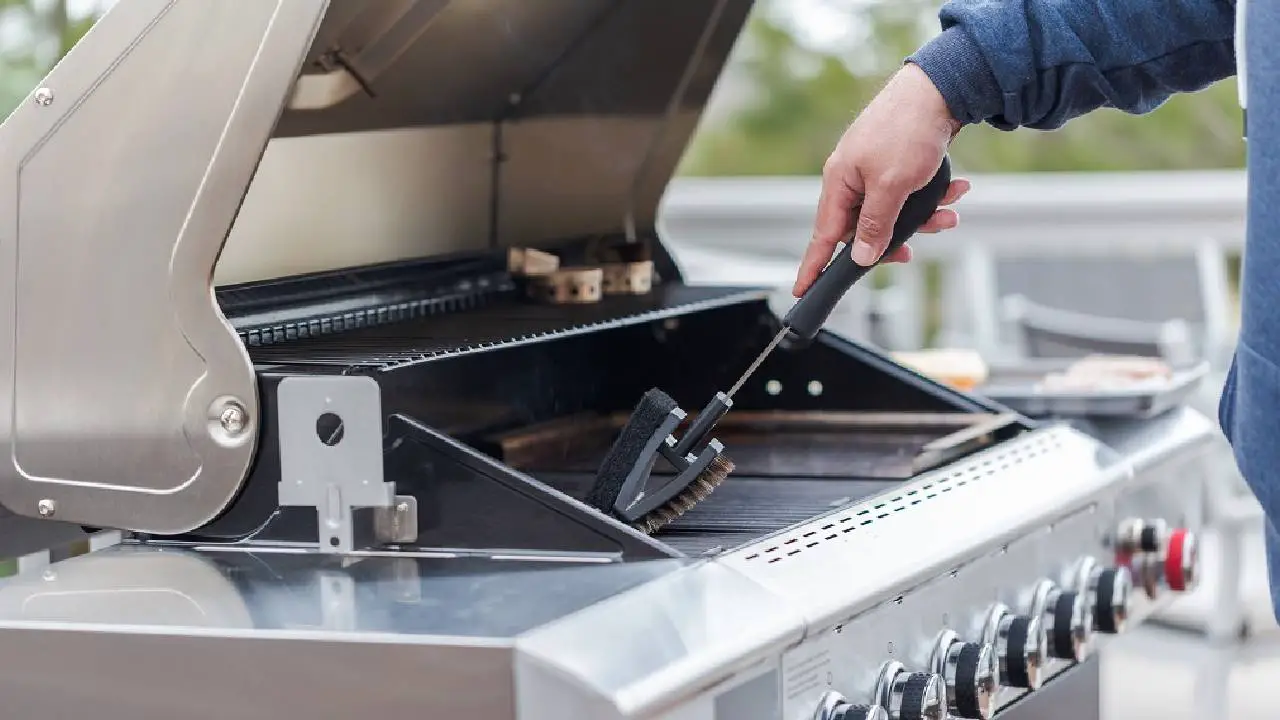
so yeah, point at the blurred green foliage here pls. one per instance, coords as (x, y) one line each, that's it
(801, 100)
(41, 32)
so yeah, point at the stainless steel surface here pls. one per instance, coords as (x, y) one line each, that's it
(335, 469)
(117, 359)
(1056, 511)
(694, 633)
(1016, 386)
(396, 596)
(387, 150)
(398, 523)
(1043, 476)
(830, 703)
(1074, 695)
(60, 673)
(411, 171)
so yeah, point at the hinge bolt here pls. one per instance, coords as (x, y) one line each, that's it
(233, 419)
(46, 507)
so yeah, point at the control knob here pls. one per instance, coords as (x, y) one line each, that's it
(1020, 644)
(1135, 535)
(971, 674)
(1067, 618)
(1108, 591)
(1180, 560)
(1156, 555)
(834, 706)
(911, 695)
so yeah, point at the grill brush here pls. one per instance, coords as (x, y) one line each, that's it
(624, 484)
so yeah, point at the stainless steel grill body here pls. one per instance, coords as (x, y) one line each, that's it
(300, 210)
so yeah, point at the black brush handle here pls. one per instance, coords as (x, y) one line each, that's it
(813, 308)
(703, 424)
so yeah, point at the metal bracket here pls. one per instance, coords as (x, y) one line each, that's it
(330, 434)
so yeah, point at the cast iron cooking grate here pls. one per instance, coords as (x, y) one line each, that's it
(837, 524)
(744, 508)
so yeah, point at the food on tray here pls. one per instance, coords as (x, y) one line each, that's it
(959, 368)
(1107, 372)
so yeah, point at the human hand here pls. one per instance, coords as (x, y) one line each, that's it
(891, 150)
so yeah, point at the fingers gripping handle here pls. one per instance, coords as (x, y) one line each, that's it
(811, 311)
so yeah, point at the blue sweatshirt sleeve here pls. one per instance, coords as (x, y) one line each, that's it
(1040, 63)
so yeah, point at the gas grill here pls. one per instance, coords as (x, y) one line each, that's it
(283, 338)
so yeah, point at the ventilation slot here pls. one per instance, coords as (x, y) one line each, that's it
(866, 514)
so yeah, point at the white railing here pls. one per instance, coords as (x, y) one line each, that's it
(1048, 212)
(753, 231)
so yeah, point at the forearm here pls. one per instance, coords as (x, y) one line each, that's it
(1039, 63)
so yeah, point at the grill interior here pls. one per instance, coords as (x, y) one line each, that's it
(790, 466)
(744, 508)
(543, 389)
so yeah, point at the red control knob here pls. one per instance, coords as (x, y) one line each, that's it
(1180, 560)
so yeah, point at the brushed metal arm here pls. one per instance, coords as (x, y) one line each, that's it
(127, 401)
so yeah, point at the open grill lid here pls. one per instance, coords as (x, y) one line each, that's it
(181, 139)
(423, 127)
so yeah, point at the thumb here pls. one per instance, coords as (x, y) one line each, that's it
(875, 224)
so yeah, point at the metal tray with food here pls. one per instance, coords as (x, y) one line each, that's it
(1096, 386)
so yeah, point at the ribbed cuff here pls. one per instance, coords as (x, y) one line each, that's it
(955, 64)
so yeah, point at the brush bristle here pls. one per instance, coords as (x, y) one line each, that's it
(701, 487)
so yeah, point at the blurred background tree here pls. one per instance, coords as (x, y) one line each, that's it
(787, 101)
(789, 94)
(34, 34)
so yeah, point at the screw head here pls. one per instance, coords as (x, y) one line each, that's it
(233, 418)
(46, 507)
(44, 97)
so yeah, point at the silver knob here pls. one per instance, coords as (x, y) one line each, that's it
(1021, 647)
(971, 674)
(911, 695)
(1109, 591)
(1136, 535)
(1068, 620)
(834, 706)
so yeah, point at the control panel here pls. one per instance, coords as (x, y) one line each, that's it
(1012, 646)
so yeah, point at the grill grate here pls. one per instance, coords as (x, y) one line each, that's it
(391, 346)
(745, 508)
